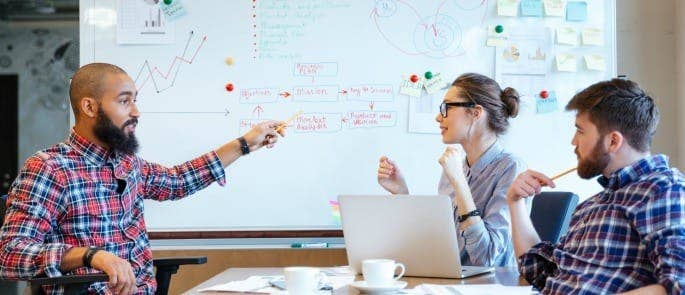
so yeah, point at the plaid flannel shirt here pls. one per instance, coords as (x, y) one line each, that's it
(78, 194)
(630, 235)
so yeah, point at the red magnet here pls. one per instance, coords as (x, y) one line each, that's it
(229, 87)
(544, 94)
(414, 78)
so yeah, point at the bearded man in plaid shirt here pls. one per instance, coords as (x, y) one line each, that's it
(630, 237)
(77, 207)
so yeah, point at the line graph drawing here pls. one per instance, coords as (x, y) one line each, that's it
(438, 34)
(178, 61)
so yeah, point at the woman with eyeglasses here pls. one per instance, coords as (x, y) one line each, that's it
(473, 114)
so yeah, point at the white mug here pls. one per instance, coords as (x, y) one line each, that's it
(381, 272)
(303, 280)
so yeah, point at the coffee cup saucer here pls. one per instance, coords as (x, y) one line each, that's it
(364, 287)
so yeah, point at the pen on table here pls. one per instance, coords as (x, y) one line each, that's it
(287, 122)
(555, 177)
(309, 245)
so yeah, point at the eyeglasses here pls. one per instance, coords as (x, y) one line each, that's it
(445, 105)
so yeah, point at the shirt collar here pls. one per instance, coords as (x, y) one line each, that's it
(94, 153)
(486, 158)
(633, 172)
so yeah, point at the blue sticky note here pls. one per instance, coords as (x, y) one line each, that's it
(546, 105)
(576, 11)
(531, 8)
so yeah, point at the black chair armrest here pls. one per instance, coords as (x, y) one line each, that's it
(70, 279)
(166, 267)
(171, 261)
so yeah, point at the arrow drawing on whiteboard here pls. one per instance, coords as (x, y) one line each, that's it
(371, 105)
(343, 92)
(258, 110)
(151, 71)
(285, 94)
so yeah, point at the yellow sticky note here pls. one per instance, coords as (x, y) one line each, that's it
(410, 88)
(592, 36)
(496, 42)
(567, 36)
(595, 62)
(566, 62)
(507, 7)
(554, 7)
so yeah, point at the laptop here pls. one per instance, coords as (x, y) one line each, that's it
(417, 231)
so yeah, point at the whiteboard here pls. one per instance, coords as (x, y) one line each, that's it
(342, 63)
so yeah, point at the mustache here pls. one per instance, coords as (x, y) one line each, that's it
(129, 122)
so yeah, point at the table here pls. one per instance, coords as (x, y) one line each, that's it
(508, 276)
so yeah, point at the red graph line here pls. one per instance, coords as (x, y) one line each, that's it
(151, 71)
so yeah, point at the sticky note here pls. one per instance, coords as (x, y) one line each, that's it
(174, 10)
(507, 7)
(411, 88)
(554, 7)
(566, 62)
(576, 11)
(592, 36)
(531, 8)
(595, 62)
(567, 36)
(546, 105)
(496, 39)
(434, 84)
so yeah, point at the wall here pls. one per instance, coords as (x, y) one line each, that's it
(679, 78)
(646, 54)
(45, 55)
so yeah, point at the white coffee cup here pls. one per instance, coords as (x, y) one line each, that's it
(301, 280)
(381, 272)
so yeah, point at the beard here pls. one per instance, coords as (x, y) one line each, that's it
(595, 163)
(115, 137)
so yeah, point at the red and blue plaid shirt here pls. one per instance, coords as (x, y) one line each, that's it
(630, 235)
(73, 195)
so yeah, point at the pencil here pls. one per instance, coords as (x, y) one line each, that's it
(564, 173)
(287, 122)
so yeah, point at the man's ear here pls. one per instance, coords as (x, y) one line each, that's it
(89, 107)
(614, 141)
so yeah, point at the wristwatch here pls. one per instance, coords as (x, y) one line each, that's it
(461, 218)
(88, 256)
(244, 148)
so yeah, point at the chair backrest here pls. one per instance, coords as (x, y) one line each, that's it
(551, 214)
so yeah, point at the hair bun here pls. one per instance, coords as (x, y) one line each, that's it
(511, 100)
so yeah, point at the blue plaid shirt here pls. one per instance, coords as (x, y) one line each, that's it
(630, 235)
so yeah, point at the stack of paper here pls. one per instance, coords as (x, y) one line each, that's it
(485, 289)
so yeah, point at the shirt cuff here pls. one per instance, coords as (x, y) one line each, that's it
(52, 256)
(473, 233)
(215, 167)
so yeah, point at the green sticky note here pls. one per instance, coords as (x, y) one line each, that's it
(531, 8)
(576, 11)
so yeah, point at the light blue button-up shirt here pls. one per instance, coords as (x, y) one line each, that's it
(487, 243)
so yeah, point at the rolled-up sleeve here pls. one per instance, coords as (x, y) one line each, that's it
(32, 206)
(661, 224)
(536, 265)
(162, 183)
(487, 242)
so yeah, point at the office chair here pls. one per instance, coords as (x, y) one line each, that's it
(78, 284)
(551, 213)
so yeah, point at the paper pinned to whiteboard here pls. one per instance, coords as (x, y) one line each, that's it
(143, 22)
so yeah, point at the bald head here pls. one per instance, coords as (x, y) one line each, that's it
(89, 81)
